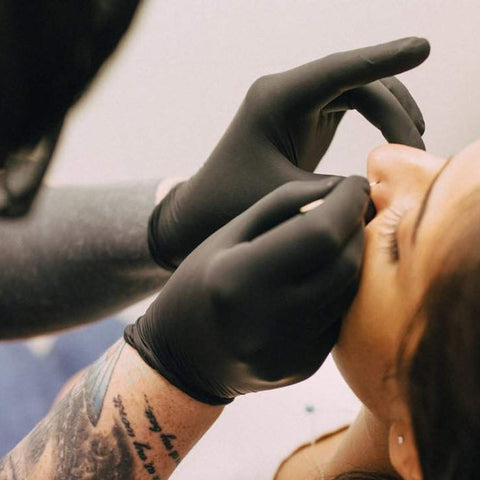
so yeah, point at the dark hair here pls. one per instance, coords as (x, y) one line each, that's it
(50, 50)
(442, 378)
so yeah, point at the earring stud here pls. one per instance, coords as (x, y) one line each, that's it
(400, 439)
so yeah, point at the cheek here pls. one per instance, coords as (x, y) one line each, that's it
(370, 332)
(370, 325)
(366, 353)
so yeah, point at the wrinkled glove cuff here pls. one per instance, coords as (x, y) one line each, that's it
(157, 243)
(133, 338)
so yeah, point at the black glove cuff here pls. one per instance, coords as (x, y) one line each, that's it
(132, 336)
(157, 243)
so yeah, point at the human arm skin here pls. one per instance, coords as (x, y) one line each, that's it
(119, 420)
(362, 447)
(80, 255)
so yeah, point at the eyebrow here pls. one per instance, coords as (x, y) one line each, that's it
(423, 208)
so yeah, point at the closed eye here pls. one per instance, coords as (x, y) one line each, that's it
(389, 232)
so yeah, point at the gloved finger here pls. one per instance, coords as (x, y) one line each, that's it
(319, 82)
(309, 241)
(398, 90)
(326, 287)
(305, 354)
(402, 94)
(280, 205)
(383, 110)
(299, 174)
(370, 213)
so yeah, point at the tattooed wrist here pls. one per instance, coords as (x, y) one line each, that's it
(111, 425)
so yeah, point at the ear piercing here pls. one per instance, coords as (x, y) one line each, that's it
(400, 440)
(372, 184)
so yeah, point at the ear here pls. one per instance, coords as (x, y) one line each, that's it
(403, 450)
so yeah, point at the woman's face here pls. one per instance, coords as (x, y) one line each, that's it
(418, 198)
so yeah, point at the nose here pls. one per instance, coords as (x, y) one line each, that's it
(400, 173)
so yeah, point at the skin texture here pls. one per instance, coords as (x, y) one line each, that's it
(118, 420)
(392, 286)
(73, 269)
(390, 289)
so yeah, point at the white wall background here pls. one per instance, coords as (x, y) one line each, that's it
(167, 96)
(163, 102)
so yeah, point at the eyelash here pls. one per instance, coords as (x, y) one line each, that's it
(392, 221)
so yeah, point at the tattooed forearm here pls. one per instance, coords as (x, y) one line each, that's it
(145, 449)
(77, 450)
(7, 469)
(97, 382)
(118, 404)
(167, 439)
(141, 448)
(106, 428)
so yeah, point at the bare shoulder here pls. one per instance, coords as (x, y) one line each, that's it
(304, 462)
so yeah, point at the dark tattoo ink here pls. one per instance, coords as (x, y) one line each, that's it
(149, 467)
(7, 469)
(37, 441)
(141, 448)
(166, 438)
(79, 451)
(97, 381)
(154, 426)
(12, 468)
(167, 441)
(174, 455)
(118, 404)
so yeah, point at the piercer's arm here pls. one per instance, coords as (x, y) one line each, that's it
(120, 420)
(80, 255)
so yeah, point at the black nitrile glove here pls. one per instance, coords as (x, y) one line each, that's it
(256, 306)
(280, 133)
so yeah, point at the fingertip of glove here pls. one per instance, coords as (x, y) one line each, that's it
(418, 46)
(421, 126)
(359, 182)
(370, 212)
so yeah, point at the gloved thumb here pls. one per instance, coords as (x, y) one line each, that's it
(280, 205)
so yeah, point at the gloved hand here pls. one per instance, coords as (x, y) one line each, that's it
(280, 133)
(256, 306)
